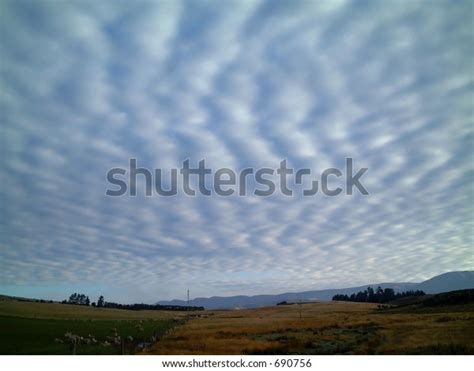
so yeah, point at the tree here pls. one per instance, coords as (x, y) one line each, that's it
(78, 299)
(370, 296)
(100, 302)
(73, 299)
(388, 295)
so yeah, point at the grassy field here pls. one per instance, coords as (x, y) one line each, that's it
(40, 328)
(37, 336)
(324, 328)
(62, 311)
(313, 328)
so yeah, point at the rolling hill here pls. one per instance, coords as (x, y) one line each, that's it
(442, 283)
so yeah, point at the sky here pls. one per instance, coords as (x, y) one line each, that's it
(87, 85)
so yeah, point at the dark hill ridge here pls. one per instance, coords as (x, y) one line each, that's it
(444, 282)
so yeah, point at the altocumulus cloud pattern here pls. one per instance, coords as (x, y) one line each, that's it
(85, 86)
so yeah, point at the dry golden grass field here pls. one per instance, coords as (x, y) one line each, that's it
(324, 328)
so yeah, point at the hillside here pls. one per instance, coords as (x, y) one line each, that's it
(445, 282)
(448, 282)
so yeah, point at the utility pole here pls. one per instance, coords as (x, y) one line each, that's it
(187, 309)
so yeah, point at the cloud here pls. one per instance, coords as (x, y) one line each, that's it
(86, 86)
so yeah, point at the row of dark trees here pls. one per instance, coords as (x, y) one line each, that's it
(149, 306)
(377, 296)
(81, 299)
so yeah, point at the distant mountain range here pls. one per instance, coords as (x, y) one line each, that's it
(443, 283)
